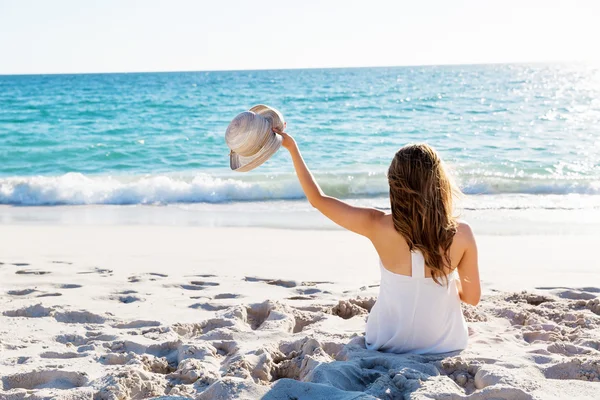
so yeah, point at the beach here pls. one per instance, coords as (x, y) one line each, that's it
(135, 264)
(158, 238)
(146, 309)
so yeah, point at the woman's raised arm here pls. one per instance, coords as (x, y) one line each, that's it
(360, 220)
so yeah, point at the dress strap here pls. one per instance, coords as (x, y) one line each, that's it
(418, 264)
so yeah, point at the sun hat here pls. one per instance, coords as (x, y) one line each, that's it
(251, 139)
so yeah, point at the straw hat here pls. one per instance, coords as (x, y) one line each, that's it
(251, 138)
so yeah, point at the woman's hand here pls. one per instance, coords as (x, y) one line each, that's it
(288, 142)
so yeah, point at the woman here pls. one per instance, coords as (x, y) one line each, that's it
(428, 259)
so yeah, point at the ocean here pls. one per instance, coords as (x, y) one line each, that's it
(514, 136)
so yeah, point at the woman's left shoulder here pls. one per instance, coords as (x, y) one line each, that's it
(464, 231)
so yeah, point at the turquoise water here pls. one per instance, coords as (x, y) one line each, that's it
(159, 137)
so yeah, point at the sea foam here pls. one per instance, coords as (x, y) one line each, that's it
(77, 188)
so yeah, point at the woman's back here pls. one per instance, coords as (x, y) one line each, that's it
(413, 313)
(421, 237)
(395, 253)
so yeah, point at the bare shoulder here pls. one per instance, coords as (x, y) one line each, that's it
(384, 219)
(378, 214)
(373, 222)
(382, 223)
(464, 234)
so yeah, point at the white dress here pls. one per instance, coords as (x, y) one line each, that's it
(413, 314)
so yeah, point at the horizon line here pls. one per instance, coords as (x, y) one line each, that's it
(306, 68)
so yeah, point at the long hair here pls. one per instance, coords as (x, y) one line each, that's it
(421, 196)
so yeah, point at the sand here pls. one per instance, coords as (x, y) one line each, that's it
(135, 312)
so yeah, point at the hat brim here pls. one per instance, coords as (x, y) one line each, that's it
(240, 163)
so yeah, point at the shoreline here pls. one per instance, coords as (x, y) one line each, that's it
(293, 215)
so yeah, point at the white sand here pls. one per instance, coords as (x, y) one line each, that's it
(120, 312)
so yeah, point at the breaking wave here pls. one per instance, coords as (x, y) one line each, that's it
(76, 188)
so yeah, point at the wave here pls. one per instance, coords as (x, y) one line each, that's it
(79, 189)
(533, 185)
(76, 188)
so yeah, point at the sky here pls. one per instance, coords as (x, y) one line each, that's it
(79, 36)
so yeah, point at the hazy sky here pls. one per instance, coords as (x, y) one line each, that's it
(38, 36)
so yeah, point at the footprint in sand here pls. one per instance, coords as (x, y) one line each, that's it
(22, 292)
(192, 287)
(585, 293)
(275, 282)
(202, 276)
(303, 319)
(529, 298)
(31, 271)
(208, 306)
(541, 336)
(200, 297)
(204, 283)
(575, 295)
(321, 309)
(55, 354)
(284, 283)
(101, 336)
(198, 285)
(25, 292)
(308, 291)
(222, 296)
(138, 323)
(79, 317)
(347, 309)
(259, 316)
(129, 299)
(71, 339)
(590, 289)
(21, 360)
(301, 298)
(569, 349)
(145, 277)
(315, 283)
(585, 369)
(115, 358)
(45, 378)
(34, 311)
(100, 271)
(225, 347)
(69, 286)
(126, 297)
(363, 288)
(127, 292)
